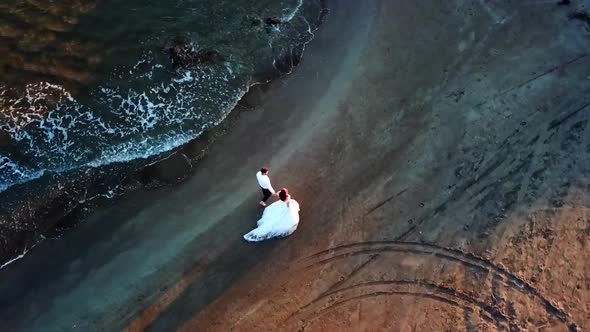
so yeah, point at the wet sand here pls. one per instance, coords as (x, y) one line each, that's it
(440, 155)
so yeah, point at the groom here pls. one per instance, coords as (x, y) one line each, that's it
(264, 182)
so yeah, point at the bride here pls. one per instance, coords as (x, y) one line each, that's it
(278, 219)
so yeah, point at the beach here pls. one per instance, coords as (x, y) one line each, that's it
(439, 152)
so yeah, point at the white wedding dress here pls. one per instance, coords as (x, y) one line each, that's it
(278, 220)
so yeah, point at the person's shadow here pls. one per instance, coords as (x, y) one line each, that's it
(235, 260)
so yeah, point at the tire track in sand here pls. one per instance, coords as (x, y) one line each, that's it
(470, 260)
(419, 289)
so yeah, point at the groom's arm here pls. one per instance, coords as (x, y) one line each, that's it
(271, 188)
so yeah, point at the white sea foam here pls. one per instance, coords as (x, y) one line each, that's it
(57, 133)
(21, 174)
(25, 251)
(291, 13)
(13, 260)
(66, 135)
(186, 77)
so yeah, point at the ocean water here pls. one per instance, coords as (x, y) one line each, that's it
(88, 83)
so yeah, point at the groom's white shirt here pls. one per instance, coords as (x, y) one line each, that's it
(264, 181)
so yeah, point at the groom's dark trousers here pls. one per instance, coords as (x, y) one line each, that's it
(265, 194)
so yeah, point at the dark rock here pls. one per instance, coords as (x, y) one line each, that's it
(185, 56)
(273, 21)
(271, 24)
(564, 2)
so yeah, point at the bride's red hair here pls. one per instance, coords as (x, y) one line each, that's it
(283, 194)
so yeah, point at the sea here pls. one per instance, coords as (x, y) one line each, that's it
(90, 82)
(85, 84)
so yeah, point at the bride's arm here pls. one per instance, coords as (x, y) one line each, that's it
(293, 202)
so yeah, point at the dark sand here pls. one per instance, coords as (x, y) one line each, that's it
(441, 156)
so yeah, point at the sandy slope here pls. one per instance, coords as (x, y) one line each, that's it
(452, 183)
(440, 153)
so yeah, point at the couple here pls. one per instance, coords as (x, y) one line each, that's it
(280, 218)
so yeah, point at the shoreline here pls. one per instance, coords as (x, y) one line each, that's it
(168, 168)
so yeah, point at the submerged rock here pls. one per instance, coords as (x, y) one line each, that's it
(272, 24)
(186, 56)
(273, 21)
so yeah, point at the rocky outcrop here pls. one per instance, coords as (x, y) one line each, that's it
(183, 55)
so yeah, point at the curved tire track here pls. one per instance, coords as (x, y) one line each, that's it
(415, 288)
(467, 259)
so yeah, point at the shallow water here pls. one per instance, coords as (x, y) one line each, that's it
(90, 82)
